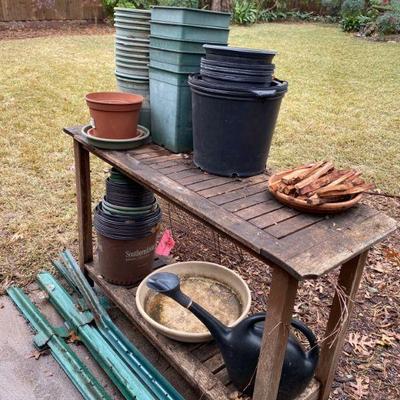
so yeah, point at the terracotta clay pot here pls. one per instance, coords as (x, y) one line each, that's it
(115, 115)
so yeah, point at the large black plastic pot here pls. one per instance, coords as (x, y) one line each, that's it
(238, 55)
(232, 130)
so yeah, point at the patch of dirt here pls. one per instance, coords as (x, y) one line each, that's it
(369, 367)
(31, 29)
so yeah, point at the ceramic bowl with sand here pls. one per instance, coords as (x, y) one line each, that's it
(219, 290)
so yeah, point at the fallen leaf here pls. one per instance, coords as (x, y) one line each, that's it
(360, 389)
(73, 337)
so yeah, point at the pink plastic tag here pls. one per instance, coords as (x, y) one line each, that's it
(166, 244)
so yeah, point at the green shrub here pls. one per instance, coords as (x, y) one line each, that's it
(388, 23)
(244, 12)
(354, 24)
(352, 8)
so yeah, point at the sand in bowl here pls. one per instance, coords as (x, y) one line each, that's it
(218, 299)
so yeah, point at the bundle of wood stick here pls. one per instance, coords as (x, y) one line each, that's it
(319, 183)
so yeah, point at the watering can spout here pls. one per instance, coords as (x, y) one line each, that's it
(169, 285)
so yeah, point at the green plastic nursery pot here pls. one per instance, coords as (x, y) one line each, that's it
(131, 69)
(136, 52)
(175, 57)
(139, 22)
(136, 42)
(190, 32)
(131, 31)
(176, 68)
(171, 112)
(137, 62)
(141, 87)
(160, 42)
(190, 16)
(132, 12)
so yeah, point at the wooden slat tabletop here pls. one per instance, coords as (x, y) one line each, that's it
(305, 245)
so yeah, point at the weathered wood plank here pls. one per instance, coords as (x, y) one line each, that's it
(259, 209)
(164, 164)
(205, 351)
(223, 376)
(215, 363)
(247, 201)
(274, 217)
(343, 245)
(325, 230)
(292, 225)
(177, 354)
(208, 184)
(194, 178)
(177, 168)
(238, 194)
(231, 186)
(160, 159)
(183, 174)
(349, 282)
(276, 331)
(84, 204)
(149, 155)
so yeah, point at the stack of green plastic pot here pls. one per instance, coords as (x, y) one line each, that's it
(132, 30)
(176, 47)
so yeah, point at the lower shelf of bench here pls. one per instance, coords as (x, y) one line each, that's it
(200, 364)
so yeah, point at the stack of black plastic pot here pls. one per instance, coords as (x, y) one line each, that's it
(235, 106)
(126, 222)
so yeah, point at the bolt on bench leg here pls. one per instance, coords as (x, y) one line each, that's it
(276, 331)
(349, 281)
(83, 194)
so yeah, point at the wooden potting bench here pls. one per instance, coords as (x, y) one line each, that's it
(295, 245)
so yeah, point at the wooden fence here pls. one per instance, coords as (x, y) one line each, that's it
(36, 10)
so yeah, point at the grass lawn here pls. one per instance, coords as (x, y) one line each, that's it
(343, 104)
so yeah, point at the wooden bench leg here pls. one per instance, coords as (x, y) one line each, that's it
(83, 194)
(349, 281)
(276, 331)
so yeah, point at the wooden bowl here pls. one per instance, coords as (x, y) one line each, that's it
(200, 269)
(302, 205)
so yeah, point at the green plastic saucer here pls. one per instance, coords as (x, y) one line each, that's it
(117, 144)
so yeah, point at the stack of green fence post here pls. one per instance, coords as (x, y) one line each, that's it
(176, 47)
(132, 55)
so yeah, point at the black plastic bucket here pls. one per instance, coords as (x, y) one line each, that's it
(237, 71)
(239, 80)
(125, 244)
(237, 65)
(238, 55)
(232, 130)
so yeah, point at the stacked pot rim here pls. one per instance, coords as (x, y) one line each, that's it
(132, 41)
(126, 221)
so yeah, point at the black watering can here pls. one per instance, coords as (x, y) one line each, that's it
(240, 345)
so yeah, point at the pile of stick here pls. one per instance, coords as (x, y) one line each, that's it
(319, 183)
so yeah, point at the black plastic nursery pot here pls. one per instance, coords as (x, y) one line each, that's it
(239, 80)
(237, 65)
(232, 130)
(238, 54)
